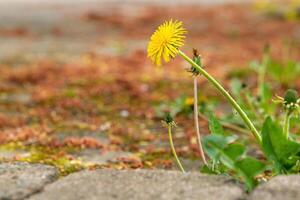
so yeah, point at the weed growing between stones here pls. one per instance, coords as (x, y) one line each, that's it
(227, 152)
(169, 122)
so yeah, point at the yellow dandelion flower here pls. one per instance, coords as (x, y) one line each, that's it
(166, 41)
(189, 101)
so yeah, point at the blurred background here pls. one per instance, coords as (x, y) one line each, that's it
(77, 89)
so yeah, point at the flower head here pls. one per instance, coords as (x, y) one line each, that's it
(169, 121)
(166, 41)
(290, 102)
(291, 97)
(197, 60)
(189, 101)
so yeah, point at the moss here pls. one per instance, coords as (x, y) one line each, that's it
(62, 162)
(12, 146)
(156, 155)
(57, 157)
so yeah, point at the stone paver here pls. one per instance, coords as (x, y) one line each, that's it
(20, 180)
(140, 184)
(36, 181)
(278, 188)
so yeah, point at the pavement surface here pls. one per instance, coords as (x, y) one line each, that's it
(20, 180)
(36, 181)
(54, 28)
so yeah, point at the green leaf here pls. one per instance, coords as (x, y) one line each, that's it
(271, 139)
(277, 148)
(221, 149)
(250, 168)
(215, 126)
(212, 145)
(213, 168)
(235, 151)
(232, 153)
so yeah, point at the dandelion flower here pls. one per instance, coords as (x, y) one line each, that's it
(189, 101)
(166, 41)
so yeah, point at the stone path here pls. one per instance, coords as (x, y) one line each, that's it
(140, 184)
(49, 28)
(36, 181)
(280, 187)
(20, 180)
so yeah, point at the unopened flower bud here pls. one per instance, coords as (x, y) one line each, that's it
(291, 97)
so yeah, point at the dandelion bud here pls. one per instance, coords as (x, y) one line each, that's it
(291, 97)
(169, 119)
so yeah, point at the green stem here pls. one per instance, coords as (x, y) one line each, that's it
(286, 127)
(225, 94)
(173, 148)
